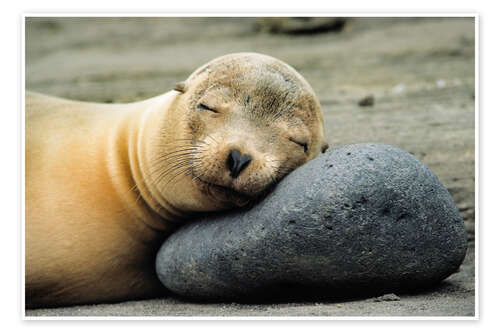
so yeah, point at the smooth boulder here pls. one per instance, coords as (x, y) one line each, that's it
(362, 218)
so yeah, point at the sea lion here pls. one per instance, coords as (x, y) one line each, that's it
(107, 183)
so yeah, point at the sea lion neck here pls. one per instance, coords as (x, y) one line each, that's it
(127, 162)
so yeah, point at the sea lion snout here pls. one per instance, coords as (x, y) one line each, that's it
(237, 162)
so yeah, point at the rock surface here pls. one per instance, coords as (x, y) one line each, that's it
(363, 218)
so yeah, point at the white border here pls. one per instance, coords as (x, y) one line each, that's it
(23, 164)
(477, 97)
(246, 14)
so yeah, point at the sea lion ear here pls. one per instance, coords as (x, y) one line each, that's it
(180, 87)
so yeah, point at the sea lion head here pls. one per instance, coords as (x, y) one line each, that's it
(250, 119)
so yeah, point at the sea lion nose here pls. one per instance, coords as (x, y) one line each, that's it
(236, 162)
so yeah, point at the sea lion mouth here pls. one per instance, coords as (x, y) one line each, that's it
(225, 193)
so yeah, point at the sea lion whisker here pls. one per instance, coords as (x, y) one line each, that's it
(180, 163)
(137, 194)
(176, 166)
(183, 173)
(175, 156)
(168, 176)
(132, 188)
(273, 180)
(192, 167)
(185, 148)
(164, 159)
(182, 169)
(168, 147)
(159, 173)
(164, 143)
(192, 139)
(284, 170)
(211, 137)
(201, 175)
(171, 167)
(195, 178)
(195, 169)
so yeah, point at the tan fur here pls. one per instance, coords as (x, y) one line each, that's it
(106, 183)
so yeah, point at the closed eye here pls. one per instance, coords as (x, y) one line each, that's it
(206, 108)
(300, 143)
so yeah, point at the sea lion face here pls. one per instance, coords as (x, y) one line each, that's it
(251, 120)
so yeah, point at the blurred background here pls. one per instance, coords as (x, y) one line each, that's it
(408, 82)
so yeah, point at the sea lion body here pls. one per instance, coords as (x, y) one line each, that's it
(107, 183)
(85, 222)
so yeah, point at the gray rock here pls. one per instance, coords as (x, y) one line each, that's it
(367, 101)
(387, 298)
(360, 219)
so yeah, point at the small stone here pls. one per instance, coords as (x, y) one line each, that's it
(383, 223)
(300, 25)
(399, 88)
(367, 101)
(441, 83)
(387, 298)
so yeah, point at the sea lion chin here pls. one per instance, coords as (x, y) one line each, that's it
(105, 184)
(225, 194)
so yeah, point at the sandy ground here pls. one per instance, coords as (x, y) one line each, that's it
(420, 72)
